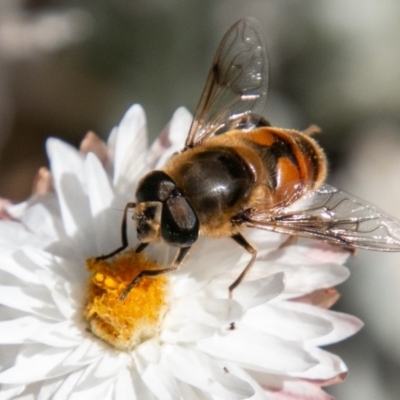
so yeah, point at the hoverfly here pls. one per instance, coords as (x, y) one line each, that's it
(237, 171)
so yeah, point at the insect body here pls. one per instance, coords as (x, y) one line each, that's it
(236, 171)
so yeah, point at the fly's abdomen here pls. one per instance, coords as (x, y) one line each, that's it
(294, 162)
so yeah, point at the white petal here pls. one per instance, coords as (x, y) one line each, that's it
(35, 363)
(161, 381)
(20, 267)
(329, 366)
(48, 389)
(180, 124)
(130, 149)
(43, 219)
(148, 352)
(257, 350)
(164, 147)
(287, 324)
(252, 293)
(141, 390)
(10, 391)
(62, 334)
(343, 325)
(176, 332)
(13, 235)
(245, 375)
(188, 391)
(88, 351)
(95, 382)
(197, 369)
(124, 386)
(19, 330)
(208, 311)
(101, 199)
(99, 188)
(302, 279)
(31, 300)
(213, 263)
(67, 167)
(64, 158)
(66, 387)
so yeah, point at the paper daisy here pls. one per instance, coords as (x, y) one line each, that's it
(66, 334)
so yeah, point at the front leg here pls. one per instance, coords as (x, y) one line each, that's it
(241, 241)
(182, 252)
(124, 234)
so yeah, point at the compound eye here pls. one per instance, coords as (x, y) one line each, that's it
(155, 186)
(180, 225)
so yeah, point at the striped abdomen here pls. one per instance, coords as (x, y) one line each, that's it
(293, 161)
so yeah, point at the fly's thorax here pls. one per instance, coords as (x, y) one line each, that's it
(215, 180)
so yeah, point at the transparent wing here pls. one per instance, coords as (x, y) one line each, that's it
(333, 216)
(236, 85)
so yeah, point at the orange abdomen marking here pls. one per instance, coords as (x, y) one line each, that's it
(290, 156)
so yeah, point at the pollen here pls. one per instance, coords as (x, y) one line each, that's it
(125, 323)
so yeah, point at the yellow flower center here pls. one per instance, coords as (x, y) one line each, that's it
(125, 323)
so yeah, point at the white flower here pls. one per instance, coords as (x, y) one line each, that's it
(262, 344)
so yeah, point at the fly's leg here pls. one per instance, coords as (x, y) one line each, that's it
(124, 235)
(182, 252)
(241, 241)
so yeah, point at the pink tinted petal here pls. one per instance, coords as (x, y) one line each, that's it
(42, 182)
(298, 390)
(280, 387)
(330, 381)
(315, 253)
(4, 204)
(91, 143)
(324, 298)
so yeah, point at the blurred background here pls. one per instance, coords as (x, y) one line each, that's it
(67, 67)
